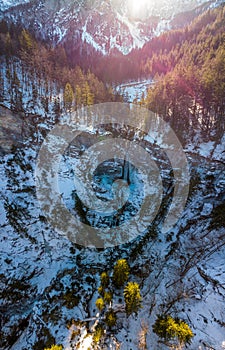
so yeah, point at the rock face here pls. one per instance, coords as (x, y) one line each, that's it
(10, 130)
(105, 25)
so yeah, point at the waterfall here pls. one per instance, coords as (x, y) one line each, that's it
(126, 171)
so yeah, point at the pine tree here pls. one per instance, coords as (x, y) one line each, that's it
(132, 297)
(57, 108)
(16, 94)
(1, 90)
(3, 26)
(8, 45)
(120, 273)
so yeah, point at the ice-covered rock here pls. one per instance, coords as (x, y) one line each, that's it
(207, 209)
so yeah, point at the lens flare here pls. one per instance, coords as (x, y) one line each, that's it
(138, 7)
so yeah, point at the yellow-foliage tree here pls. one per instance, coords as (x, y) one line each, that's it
(55, 347)
(171, 329)
(68, 96)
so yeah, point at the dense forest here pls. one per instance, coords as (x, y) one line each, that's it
(44, 71)
(190, 76)
(187, 65)
(161, 290)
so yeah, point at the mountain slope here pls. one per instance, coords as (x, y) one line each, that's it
(49, 284)
(104, 25)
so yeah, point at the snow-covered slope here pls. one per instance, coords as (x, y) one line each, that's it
(48, 284)
(6, 4)
(105, 25)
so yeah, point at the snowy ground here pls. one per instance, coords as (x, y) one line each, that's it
(5, 4)
(46, 281)
(135, 89)
(48, 284)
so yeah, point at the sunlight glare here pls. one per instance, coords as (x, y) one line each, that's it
(138, 7)
(86, 343)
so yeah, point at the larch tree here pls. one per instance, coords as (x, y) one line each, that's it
(68, 96)
(110, 318)
(55, 347)
(104, 279)
(87, 95)
(175, 330)
(132, 297)
(78, 96)
(120, 273)
(100, 304)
